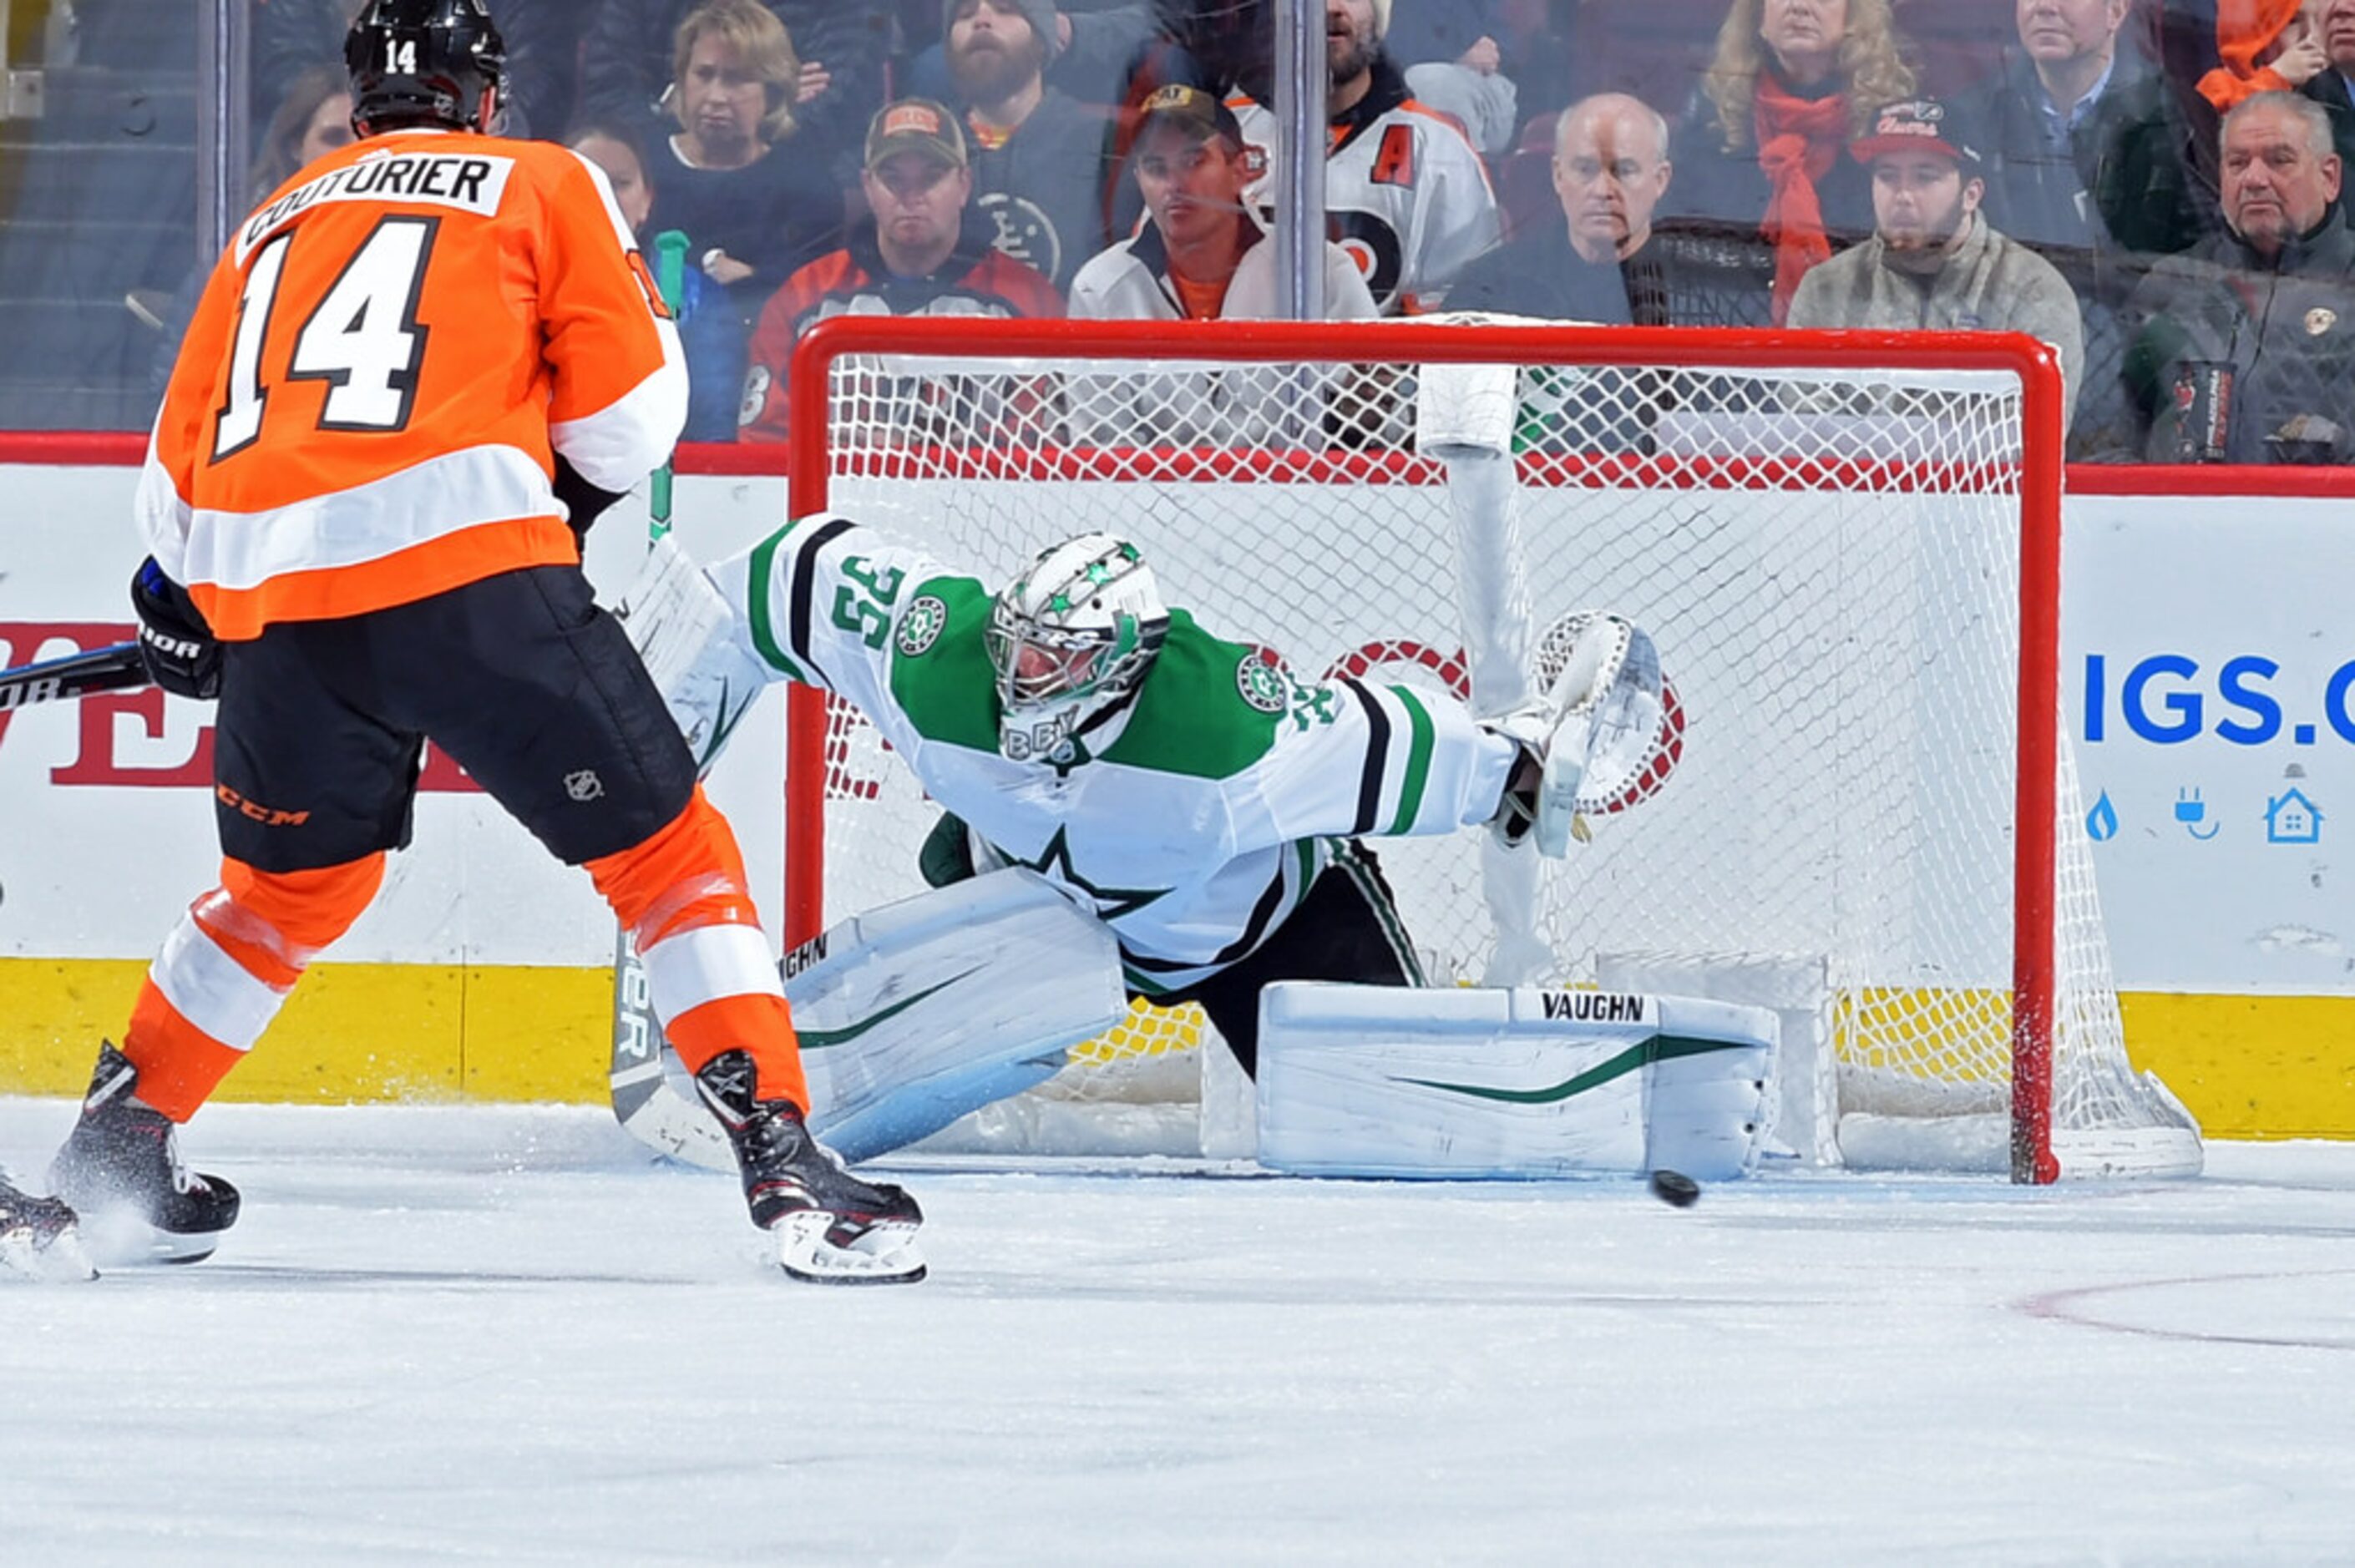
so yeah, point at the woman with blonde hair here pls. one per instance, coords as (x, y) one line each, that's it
(1763, 146)
(751, 215)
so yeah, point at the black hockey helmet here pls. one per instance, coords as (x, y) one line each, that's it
(424, 62)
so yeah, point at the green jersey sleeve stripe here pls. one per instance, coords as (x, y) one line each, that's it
(1418, 759)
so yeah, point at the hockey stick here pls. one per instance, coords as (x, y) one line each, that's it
(1464, 416)
(643, 1103)
(115, 668)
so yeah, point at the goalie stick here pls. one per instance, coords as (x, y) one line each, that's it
(115, 668)
(642, 1103)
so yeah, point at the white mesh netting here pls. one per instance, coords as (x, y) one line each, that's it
(1828, 562)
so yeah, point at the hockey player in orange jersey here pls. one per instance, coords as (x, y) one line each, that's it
(421, 368)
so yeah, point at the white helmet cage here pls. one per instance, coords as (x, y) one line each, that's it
(1075, 634)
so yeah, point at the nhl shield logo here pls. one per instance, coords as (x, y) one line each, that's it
(920, 628)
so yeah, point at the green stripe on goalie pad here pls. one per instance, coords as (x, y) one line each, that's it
(918, 1012)
(1526, 1083)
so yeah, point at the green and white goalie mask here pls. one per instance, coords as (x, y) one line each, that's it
(1070, 639)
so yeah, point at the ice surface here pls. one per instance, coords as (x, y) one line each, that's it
(503, 1335)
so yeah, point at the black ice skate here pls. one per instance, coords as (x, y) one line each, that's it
(832, 1228)
(38, 1237)
(121, 1169)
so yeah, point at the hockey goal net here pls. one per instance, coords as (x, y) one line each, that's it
(1847, 549)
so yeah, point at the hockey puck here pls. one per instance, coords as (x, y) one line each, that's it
(1674, 1188)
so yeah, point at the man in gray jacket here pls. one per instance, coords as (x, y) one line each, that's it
(1934, 261)
(2243, 347)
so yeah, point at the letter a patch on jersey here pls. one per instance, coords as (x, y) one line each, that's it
(1394, 161)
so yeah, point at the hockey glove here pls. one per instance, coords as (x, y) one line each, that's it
(1517, 812)
(946, 855)
(583, 501)
(179, 650)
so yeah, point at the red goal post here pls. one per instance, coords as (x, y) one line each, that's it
(2034, 477)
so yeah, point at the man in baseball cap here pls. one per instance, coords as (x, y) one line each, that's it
(1194, 113)
(1927, 176)
(917, 126)
(1201, 252)
(922, 251)
(1934, 261)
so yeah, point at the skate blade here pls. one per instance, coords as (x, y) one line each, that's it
(57, 1258)
(883, 1254)
(120, 1239)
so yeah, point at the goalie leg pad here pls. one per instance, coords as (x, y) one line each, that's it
(917, 1013)
(1527, 1084)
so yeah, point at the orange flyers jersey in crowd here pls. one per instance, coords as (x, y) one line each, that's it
(385, 362)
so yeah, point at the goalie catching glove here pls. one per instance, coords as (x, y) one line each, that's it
(1593, 733)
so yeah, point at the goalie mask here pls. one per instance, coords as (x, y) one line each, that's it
(1070, 639)
(425, 62)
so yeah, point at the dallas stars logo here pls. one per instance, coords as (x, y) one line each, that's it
(1261, 687)
(1054, 863)
(921, 626)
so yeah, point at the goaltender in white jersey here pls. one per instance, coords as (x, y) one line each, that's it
(1142, 805)
(1201, 801)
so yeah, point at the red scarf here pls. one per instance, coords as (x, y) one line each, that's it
(1799, 139)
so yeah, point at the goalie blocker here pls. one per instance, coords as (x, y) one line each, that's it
(1526, 1083)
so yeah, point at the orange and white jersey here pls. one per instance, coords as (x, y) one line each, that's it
(1405, 191)
(385, 359)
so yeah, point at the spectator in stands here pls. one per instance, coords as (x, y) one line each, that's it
(1404, 189)
(542, 36)
(2052, 115)
(2077, 128)
(750, 214)
(1762, 150)
(2335, 89)
(1093, 46)
(1934, 261)
(1610, 170)
(1037, 154)
(711, 332)
(1452, 54)
(1203, 255)
(839, 45)
(2267, 45)
(923, 251)
(311, 119)
(2245, 351)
